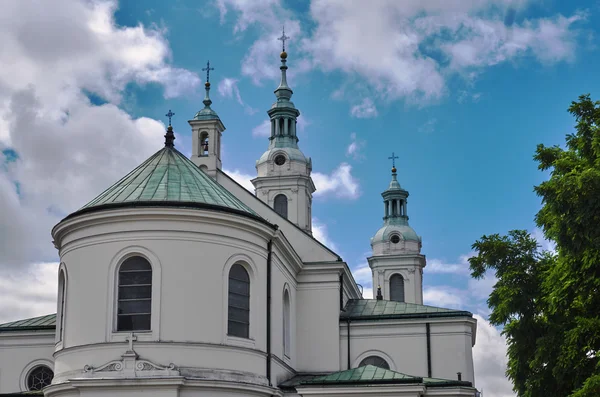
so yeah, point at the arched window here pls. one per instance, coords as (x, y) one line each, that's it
(61, 304)
(286, 323)
(134, 305)
(203, 144)
(397, 288)
(281, 205)
(376, 361)
(39, 377)
(238, 316)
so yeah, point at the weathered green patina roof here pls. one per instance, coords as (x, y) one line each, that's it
(170, 178)
(372, 309)
(47, 322)
(369, 375)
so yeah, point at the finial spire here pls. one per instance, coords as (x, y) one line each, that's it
(169, 115)
(169, 136)
(393, 158)
(207, 69)
(283, 38)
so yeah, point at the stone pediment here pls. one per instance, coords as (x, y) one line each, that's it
(130, 366)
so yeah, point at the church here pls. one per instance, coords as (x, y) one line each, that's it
(177, 281)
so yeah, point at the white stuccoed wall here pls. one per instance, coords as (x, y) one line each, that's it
(403, 344)
(19, 353)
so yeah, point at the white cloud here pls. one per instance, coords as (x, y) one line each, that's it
(319, 232)
(444, 296)
(440, 266)
(228, 88)
(29, 293)
(363, 274)
(355, 147)
(545, 244)
(489, 361)
(242, 178)
(366, 109)
(340, 183)
(410, 48)
(262, 130)
(68, 149)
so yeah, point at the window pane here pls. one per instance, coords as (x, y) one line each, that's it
(238, 272)
(135, 263)
(135, 306)
(239, 315)
(281, 205)
(135, 292)
(376, 361)
(39, 378)
(239, 287)
(237, 329)
(133, 323)
(397, 288)
(129, 278)
(239, 301)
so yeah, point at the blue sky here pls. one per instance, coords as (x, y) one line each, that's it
(465, 154)
(461, 90)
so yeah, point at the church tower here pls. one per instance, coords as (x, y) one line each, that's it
(206, 134)
(397, 263)
(283, 180)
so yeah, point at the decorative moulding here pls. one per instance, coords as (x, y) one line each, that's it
(130, 366)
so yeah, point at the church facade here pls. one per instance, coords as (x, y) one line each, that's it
(177, 281)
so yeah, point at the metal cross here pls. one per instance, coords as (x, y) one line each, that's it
(169, 115)
(393, 158)
(283, 38)
(207, 69)
(131, 338)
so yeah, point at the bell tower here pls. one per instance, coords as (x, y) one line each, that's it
(283, 181)
(397, 263)
(206, 134)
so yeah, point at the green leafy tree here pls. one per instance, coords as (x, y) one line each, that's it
(549, 303)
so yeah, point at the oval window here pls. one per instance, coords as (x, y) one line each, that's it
(395, 239)
(280, 159)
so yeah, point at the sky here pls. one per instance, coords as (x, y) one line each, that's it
(461, 91)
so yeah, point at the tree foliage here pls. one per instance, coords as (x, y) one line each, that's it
(549, 302)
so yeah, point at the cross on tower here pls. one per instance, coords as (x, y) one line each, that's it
(131, 338)
(207, 69)
(169, 115)
(393, 158)
(283, 38)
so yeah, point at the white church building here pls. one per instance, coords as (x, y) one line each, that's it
(177, 281)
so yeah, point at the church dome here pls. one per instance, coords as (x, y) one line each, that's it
(167, 179)
(385, 234)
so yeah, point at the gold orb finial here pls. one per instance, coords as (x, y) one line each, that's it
(394, 170)
(207, 84)
(283, 55)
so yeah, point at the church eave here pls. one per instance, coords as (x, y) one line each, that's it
(165, 204)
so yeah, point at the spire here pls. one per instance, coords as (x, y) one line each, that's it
(207, 113)
(283, 91)
(169, 136)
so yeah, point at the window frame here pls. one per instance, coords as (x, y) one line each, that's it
(255, 292)
(244, 296)
(287, 322)
(24, 377)
(287, 207)
(112, 335)
(120, 271)
(61, 306)
(377, 353)
(390, 281)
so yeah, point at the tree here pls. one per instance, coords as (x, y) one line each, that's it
(549, 303)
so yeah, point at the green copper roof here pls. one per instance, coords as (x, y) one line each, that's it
(370, 375)
(31, 324)
(171, 178)
(372, 309)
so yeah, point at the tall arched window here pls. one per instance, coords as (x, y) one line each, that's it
(286, 323)
(60, 321)
(134, 306)
(238, 310)
(397, 288)
(376, 361)
(281, 205)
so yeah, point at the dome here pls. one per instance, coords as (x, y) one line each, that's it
(405, 232)
(293, 154)
(169, 179)
(206, 114)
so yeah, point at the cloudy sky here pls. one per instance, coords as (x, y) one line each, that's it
(461, 90)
